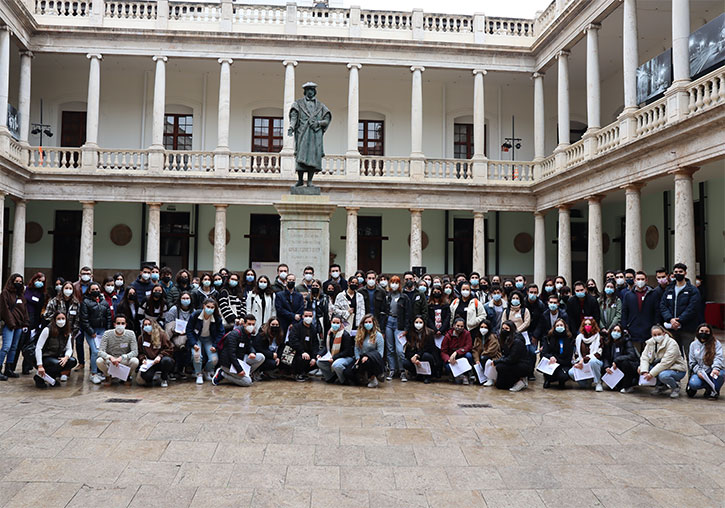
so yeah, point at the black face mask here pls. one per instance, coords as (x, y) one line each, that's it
(274, 329)
(156, 296)
(95, 294)
(436, 294)
(18, 286)
(290, 284)
(703, 336)
(354, 287)
(592, 290)
(484, 287)
(679, 277)
(166, 279)
(508, 290)
(315, 291)
(184, 281)
(629, 281)
(330, 293)
(132, 297)
(409, 284)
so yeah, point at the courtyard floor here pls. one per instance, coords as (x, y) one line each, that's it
(283, 443)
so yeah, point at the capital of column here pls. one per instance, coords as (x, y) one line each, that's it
(540, 213)
(414, 68)
(27, 53)
(97, 56)
(154, 205)
(289, 62)
(478, 214)
(483, 72)
(222, 206)
(354, 64)
(593, 26)
(88, 204)
(416, 211)
(563, 53)
(595, 198)
(224, 60)
(352, 210)
(18, 201)
(684, 172)
(537, 74)
(633, 187)
(163, 58)
(564, 207)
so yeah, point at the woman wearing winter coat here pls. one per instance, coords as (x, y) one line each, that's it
(176, 320)
(513, 366)
(65, 301)
(618, 352)
(661, 359)
(14, 313)
(485, 347)
(53, 351)
(232, 303)
(95, 320)
(588, 350)
(155, 354)
(341, 348)
(260, 303)
(610, 307)
(558, 347)
(270, 342)
(420, 347)
(706, 362)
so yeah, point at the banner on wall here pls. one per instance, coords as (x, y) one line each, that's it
(13, 122)
(707, 47)
(654, 77)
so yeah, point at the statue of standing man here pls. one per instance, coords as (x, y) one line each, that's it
(309, 119)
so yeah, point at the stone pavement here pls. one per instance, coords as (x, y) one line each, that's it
(283, 443)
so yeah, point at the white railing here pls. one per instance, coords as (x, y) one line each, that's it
(333, 165)
(63, 7)
(548, 166)
(240, 162)
(509, 26)
(448, 169)
(574, 154)
(608, 138)
(651, 118)
(511, 170)
(706, 92)
(259, 14)
(447, 23)
(17, 153)
(186, 160)
(123, 9)
(322, 17)
(54, 158)
(197, 11)
(128, 160)
(384, 166)
(385, 20)
(546, 17)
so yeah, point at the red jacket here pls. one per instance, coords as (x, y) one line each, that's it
(460, 344)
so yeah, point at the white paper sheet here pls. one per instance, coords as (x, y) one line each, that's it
(479, 373)
(438, 340)
(584, 373)
(423, 368)
(48, 379)
(460, 367)
(146, 365)
(119, 372)
(644, 382)
(180, 326)
(613, 378)
(546, 367)
(401, 339)
(245, 367)
(490, 371)
(707, 379)
(326, 358)
(98, 341)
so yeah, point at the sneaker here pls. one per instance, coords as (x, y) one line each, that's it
(690, 392)
(465, 380)
(599, 388)
(520, 385)
(11, 373)
(389, 376)
(489, 382)
(426, 381)
(3, 377)
(39, 382)
(218, 376)
(80, 366)
(659, 390)
(164, 383)
(301, 378)
(373, 383)
(63, 378)
(403, 377)
(627, 390)
(526, 382)
(96, 379)
(675, 393)
(199, 379)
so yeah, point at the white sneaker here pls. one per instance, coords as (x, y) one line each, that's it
(520, 385)
(599, 388)
(489, 382)
(627, 390)
(207, 376)
(200, 379)
(164, 383)
(373, 383)
(63, 378)
(96, 379)
(526, 382)
(403, 377)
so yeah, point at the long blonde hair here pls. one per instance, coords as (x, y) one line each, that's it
(155, 334)
(360, 337)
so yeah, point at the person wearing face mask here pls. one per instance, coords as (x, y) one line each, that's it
(270, 342)
(536, 308)
(449, 292)
(130, 308)
(508, 288)
(320, 305)
(247, 285)
(620, 283)
(581, 304)
(706, 362)
(360, 276)
(513, 366)
(203, 332)
(14, 314)
(420, 347)
(457, 344)
(475, 284)
(95, 320)
(639, 310)
(181, 313)
(341, 348)
(336, 277)
(183, 283)
(54, 351)
(143, 283)
(588, 349)
(551, 314)
(66, 303)
(165, 279)
(280, 282)
(661, 359)
(519, 314)
(375, 299)
(564, 295)
(119, 281)
(629, 274)
(304, 339)
(383, 282)
(663, 280)
(520, 283)
(109, 294)
(439, 312)
(85, 277)
(559, 284)
(261, 302)
(592, 288)
(205, 290)
(239, 347)
(117, 346)
(350, 306)
(289, 304)
(558, 347)
(468, 308)
(680, 308)
(155, 354)
(195, 283)
(308, 275)
(485, 347)
(610, 309)
(154, 308)
(618, 352)
(396, 326)
(495, 308)
(417, 302)
(232, 305)
(368, 365)
(35, 298)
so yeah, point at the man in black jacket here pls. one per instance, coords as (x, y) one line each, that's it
(304, 339)
(238, 357)
(375, 299)
(580, 305)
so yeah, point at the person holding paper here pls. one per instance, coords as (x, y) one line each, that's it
(513, 366)
(485, 347)
(304, 339)
(558, 348)
(54, 350)
(176, 320)
(521, 316)
(270, 342)
(396, 325)
(64, 301)
(95, 320)
(494, 308)
(155, 354)
(618, 353)
(118, 346)
(203, 332)
(154, 307)
(239, 360)
(337, 352)
(420, 347)
(588, 350)
(706, 362)
(661, 360)
(457, 344)
(368, 354)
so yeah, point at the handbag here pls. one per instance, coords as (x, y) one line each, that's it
(287, 356)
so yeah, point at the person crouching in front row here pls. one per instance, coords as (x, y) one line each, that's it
(239, 347)
(118, 346)
(155, 354)
(53, 350)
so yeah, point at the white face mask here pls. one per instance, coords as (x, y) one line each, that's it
(283, 276)
(465, 293)
(249, 328)
(335, 275)
(67, 292)
(308, 277)
(60, 323)
(640, 283)
(371, 283)
(394, 286)
(145, 276)
(419, 326)
(109, 289)
(307, 320)
(85, 277)
(484, 331)
(383, 283)
(120, 329)
(119, 283)
(262, 285)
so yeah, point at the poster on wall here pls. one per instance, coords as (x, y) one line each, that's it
(707, 47)
(13, 122)
(654, 77)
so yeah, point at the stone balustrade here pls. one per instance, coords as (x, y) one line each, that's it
(707, 92)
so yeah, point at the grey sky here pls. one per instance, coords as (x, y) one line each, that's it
(510, 8)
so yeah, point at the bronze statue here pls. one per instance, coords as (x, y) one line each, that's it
(309, 119)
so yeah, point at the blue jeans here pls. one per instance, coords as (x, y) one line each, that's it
(467, 356)
(94, 348)
(11, 338)
(671, 378)
(336, 368)
(596, 366)
(393, 349)
(212, 359)
(695, 383)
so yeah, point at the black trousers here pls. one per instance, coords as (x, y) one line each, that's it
(165, 366)
(269, 364)
(631, 378)
(52, 365)
(410, 367)
(561, 374)
(509, 374)
(301, 366)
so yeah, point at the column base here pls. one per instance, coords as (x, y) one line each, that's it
(157, 159)
(479, 167)
(678, 101)
(417, 166)
(89, 157)
(221, 160)
(352, 164)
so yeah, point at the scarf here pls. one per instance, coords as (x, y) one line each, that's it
(591, 343)
(337, 342)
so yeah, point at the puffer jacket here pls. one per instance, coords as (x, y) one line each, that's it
(94, 314)
(71, 309)
(661, 353)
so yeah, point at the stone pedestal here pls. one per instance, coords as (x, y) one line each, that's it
(305, 232)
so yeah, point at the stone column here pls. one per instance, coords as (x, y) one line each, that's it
(479, 118)
(564, 243)
(633, 227)
(4, 76)
(86, 257)
(353, 109)
(593, 93)
(417, 163)
(224, 104)
(159, 109)
(89, 150)
(26, 59)
(630, 58)
(153, 233)
(17, 256)
(595, 248)
(220, 237)
(416, 237)
(351, 241)
(2, 232)
(479, 242)
(563, 99)
(288, 146)
(539, 248)
(539, 117)
(680, 41)
(685, 220)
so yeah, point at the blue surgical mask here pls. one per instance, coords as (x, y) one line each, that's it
(474, 282)
(206, 283)
(609, 291)
(194, 285)
(423, 288)
(560, 329)
(155, 277)
(208, 311)
(218, 283)
(496, 297)
(533, 297)
(148, 328)
(38, 284)
(335, 326)
(233, 283)
(519, 285)
(549, 289)
(368, 326)
(616, 335)
(515, 302)
(360, 280)
(448, 291)
(185, 302)
(250, 278)
(553, 307)
(580, 294)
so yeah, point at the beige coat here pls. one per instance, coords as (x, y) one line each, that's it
(667, 351)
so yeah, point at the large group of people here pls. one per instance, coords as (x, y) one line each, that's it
(365, 329)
